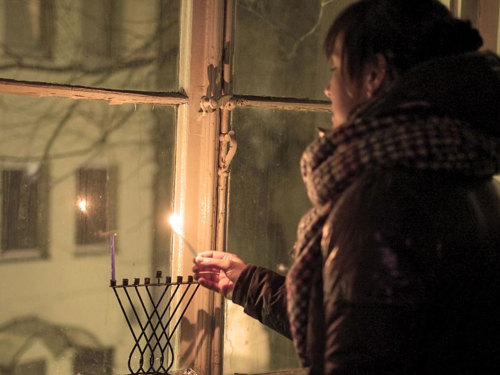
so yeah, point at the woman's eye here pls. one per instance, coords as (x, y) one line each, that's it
(332, 69)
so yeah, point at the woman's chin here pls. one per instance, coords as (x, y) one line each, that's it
(338, 121)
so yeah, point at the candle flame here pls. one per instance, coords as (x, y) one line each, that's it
(82, 204)
(176, 223)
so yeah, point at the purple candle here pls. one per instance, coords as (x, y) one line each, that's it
(112, 249)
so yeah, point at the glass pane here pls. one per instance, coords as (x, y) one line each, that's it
(20, 205)
(117, 44)
(267, 199)
(278, 47)
(99, 170)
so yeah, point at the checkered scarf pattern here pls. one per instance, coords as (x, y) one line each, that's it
(415, 139)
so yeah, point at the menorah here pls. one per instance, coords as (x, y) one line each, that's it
(156, 309)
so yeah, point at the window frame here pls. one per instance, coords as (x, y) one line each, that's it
(202, 143)
(484, 15)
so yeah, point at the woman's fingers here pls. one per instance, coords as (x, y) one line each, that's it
(205, 268)
(209, 284)
(212, 254)
(217, 270)
(221, 263)
(215, 276)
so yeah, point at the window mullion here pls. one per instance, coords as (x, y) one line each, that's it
(293, 104)
(196, 175)
(484, 15)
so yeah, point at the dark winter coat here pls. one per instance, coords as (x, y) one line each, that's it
(410, 278)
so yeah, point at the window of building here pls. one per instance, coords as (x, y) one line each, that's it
(34, 367)
(93, 362)
(101, 30)
(19, 210)
(22, 204)
(28, 28)
(94, 210)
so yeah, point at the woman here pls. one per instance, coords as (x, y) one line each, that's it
(396, 267)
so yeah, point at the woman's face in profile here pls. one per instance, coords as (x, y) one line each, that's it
(344, 94)
(339, 91)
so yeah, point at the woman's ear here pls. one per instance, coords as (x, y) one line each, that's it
(376, 74)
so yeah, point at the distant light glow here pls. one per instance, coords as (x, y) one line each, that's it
(82, 204)
(176, 223)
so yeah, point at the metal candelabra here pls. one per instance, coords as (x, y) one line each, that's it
(155, 313)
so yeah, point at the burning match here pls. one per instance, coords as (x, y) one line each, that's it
(176, 224)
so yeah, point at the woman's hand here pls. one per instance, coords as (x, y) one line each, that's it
(218, 271)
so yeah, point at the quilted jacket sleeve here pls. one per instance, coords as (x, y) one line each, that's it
(374, 244)
(262, 293)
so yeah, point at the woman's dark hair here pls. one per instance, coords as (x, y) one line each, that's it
(406, 32)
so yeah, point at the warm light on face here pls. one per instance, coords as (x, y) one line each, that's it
(82, 205)
(176, 223)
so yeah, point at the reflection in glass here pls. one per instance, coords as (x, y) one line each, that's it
(58, 159)
(117, 44)
(266, 200)
(278, 47)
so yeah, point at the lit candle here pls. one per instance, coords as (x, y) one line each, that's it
(112, 250)
(176, 224)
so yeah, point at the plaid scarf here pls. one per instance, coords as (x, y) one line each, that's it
(413, 138)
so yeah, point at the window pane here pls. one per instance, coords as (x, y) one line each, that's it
(266, 200)
(93, 212)
(278, 47)
(27, 27)
(19, 210)
(93, 362)
(118, 44)
(60, 309)
(36, 367)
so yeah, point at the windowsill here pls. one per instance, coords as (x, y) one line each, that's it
(97, 249)
(21, 255)
(29, 54)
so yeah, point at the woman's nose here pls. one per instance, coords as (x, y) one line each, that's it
(327, 92)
